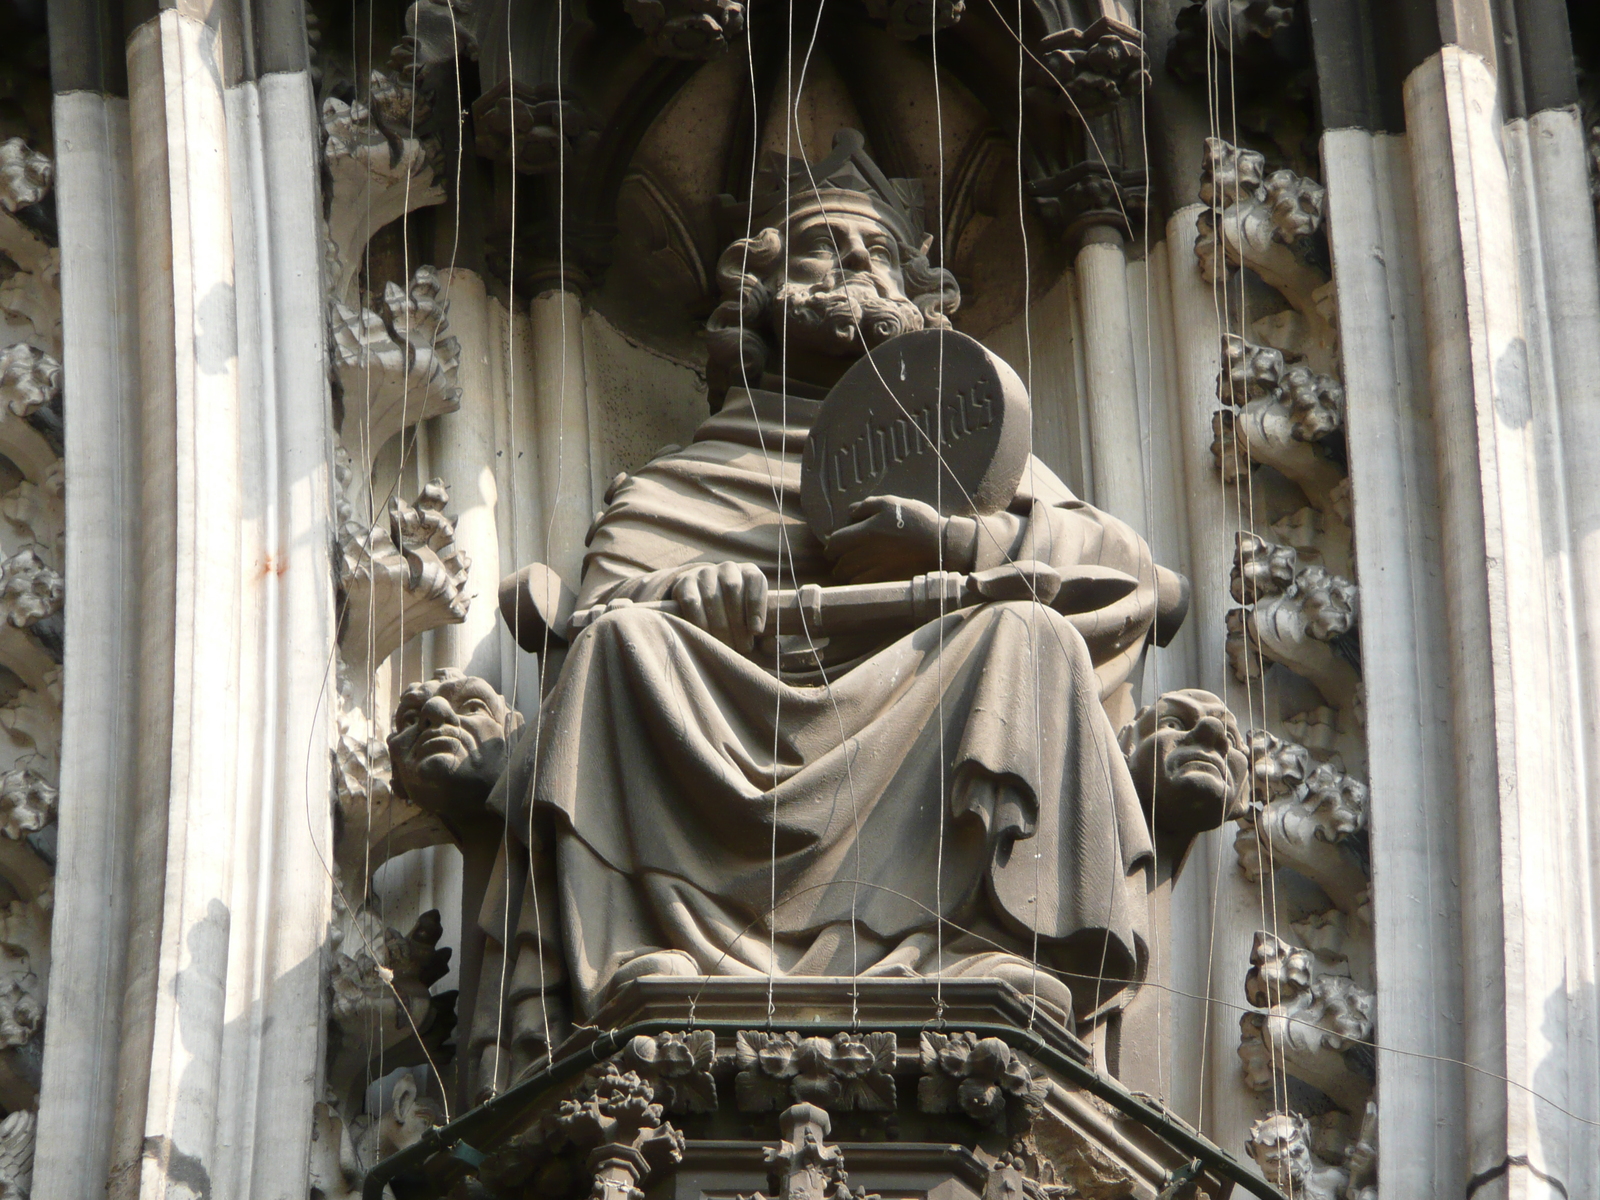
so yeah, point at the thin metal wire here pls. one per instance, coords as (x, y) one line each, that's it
(1033, 610)
(793, 121)
(938, 409)
(1147, 445)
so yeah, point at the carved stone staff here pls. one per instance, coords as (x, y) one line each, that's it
(534, 600)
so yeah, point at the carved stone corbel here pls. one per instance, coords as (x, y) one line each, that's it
(1307, 625)
(1278, 416)
(1263, 223)
(30, 299)
(373, 824)
(394, 368)
(37, 512)
(1245, 26)
(381, 1008)
(377, 171)
(24, 985)
(401, 581)
(1300, 818)
(1310, 1019)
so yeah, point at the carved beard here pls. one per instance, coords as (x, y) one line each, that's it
(845, 320)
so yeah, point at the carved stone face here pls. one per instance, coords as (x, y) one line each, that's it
(449, 742)
(842, 290)
(1188, 761)
(1280, 1146)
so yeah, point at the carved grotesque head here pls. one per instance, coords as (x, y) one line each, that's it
(1188, 761)
(1281, 1145)
(838, 266)
(449, 744)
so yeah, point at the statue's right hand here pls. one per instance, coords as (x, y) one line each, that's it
(727, 600)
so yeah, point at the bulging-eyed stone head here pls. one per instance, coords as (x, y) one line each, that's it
(450, 742)
(1188, 762)
(1281, 1146)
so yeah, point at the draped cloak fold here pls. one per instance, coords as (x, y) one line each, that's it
(814, 822)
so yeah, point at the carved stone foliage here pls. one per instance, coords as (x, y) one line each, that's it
(376, 171)
(1093, 68)
(1267, 223)
(614, 1115)
(531, 128)
(678, 1065)
(393, 367)
(806, 1166)
(16, 1154)
(30, 379)
(1304, 817)
(1313, 1025)
(30, 591)
(381, 1007)
(847, 1072)
(1282, 408)
(1262, 49)
(372, 822)
(1089, 194)
(27, 802)
(909, 19)
(611, 1128)
(1285, 417)
(30, 299)
(982, 1077)
(24, 968)
(32, 595)
(1300, 616)
(403, 580)
(700, 29)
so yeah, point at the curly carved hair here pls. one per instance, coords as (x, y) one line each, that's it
(737, 330)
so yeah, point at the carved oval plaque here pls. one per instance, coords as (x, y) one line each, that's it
(878, 429)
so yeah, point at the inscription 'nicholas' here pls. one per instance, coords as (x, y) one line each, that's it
(884, 444)
(930, 416)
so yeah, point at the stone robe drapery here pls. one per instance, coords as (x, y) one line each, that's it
(814, 822)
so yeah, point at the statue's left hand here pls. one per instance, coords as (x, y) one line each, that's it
(888, 538)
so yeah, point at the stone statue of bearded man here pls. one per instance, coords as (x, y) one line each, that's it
(846, 270)
(720, 798)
